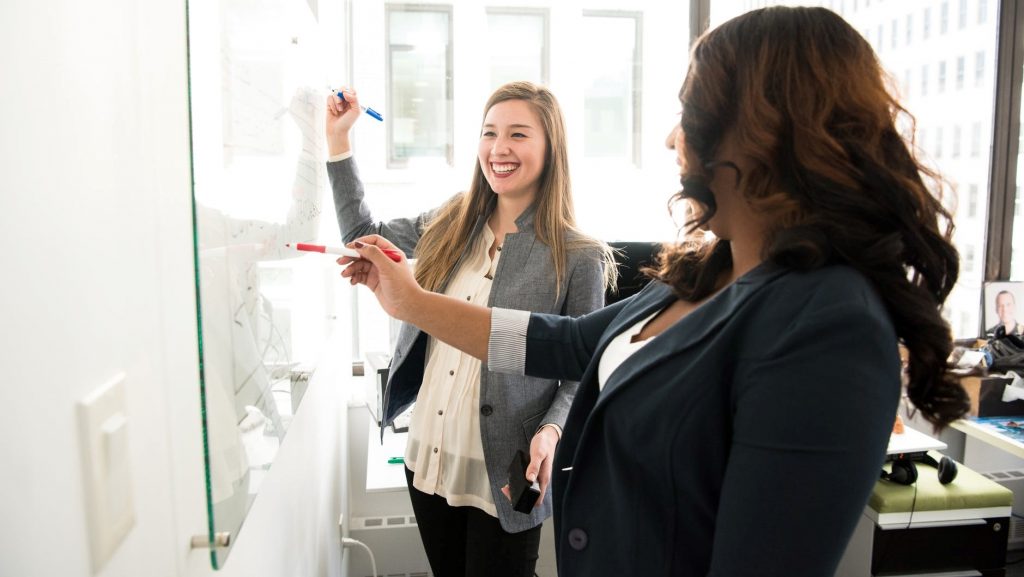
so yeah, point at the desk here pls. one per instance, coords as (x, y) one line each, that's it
(990, 436)
(912, 441)
(381, 475)
(957, 530)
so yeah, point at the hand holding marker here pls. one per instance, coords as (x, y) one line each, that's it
(343, 251)
(365, 109)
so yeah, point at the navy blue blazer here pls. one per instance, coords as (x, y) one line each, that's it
(743, 440)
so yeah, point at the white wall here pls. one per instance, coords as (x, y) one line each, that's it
(96, 279)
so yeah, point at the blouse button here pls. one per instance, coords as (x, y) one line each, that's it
(451, 372)
(435, 449)
(440, 412)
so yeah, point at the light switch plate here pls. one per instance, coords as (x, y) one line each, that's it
(103, 433)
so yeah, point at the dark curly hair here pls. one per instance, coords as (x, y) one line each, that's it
(804, 97)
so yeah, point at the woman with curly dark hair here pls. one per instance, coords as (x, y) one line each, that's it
(732, 417)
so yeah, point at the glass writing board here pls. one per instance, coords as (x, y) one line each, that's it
(257, 90)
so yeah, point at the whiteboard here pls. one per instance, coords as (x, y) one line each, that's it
(257, 92)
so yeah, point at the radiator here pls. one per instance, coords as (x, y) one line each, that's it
(395, 542)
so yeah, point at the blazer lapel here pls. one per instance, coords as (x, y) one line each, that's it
(686, 333)
(705, 320)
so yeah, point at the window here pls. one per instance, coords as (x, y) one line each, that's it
(979, 68)
(967, 258)
(965, 318)
(419, 70)
(940, 114)
(611, 76)
(518, 47)
(430, 66)
(1017, 254)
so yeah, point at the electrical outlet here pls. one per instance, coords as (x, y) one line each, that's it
(103, 433)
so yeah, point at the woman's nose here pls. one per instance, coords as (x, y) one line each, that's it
(500, 145)
(670, 141)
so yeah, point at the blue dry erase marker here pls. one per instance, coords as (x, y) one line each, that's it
(365, 109)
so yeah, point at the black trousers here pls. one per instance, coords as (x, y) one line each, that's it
(466, 542)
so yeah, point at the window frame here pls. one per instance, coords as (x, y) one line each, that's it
(391, 162)
(545, 14)
(1009, 70)
(636, 147)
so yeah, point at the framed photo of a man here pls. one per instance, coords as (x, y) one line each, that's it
(1003, 309)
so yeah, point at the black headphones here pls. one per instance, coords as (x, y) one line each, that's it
(904, 471)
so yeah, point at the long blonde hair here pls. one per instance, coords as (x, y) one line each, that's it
(449, 232)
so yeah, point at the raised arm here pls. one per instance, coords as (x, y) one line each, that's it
(354, 216)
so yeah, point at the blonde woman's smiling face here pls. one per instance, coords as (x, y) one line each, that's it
(512, 150)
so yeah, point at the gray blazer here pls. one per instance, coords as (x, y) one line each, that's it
(512, 407)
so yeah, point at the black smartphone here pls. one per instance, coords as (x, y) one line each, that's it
(524, 493)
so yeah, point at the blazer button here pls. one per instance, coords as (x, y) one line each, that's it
(486, 410)
(578, 539)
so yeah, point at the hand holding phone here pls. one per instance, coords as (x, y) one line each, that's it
(524, 494)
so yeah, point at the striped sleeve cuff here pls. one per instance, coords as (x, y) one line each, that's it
(340, 156)
(506, 349)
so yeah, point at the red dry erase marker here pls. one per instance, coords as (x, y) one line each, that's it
(391, 253)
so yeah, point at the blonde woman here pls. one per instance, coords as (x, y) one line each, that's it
(509, 241)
